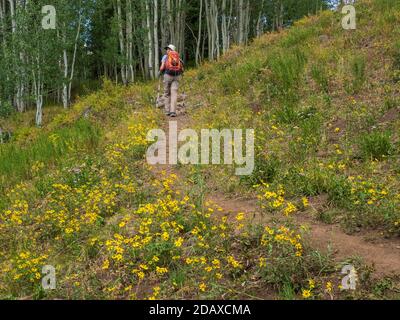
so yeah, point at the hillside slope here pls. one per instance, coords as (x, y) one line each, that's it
(324, 103)
(325, 106)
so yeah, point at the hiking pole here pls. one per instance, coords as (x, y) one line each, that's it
(158, 90)
(184, 94)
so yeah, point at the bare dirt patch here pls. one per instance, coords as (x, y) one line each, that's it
(382, 254)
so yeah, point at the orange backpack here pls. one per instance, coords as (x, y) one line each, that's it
(173, 63)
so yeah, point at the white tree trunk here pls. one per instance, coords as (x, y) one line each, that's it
(121, 41)
(74, 57)
(19, 97)
(224, 28)
(241, 22)
(156, 46)
(129, 39)
(198, 57)
(149, 40)
(39, 106)
(38, 91)
(69, 72)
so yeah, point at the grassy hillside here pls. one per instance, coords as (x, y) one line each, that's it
(325, 106)
(324, 103)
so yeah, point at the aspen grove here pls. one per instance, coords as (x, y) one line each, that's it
(121, 40)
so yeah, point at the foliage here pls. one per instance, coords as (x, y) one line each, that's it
(376, 145)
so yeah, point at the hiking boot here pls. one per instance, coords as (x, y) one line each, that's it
(172, 115)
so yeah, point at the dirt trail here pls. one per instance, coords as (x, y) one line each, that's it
(383, 254)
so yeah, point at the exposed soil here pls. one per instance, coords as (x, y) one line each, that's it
(390, 115)
(382, 254)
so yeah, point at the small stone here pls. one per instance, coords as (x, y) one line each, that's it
(323, 38)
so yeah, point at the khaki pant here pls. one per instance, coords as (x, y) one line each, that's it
(171, 86)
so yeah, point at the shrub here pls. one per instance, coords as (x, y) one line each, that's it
(339, 190)
(287, 114)
(375, 145)
(309, 183)
(6, 109)
(265, 170)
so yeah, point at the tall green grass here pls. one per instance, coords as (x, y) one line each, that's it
(396, 63)
(238, 78)
(375, 145)
(396, 56)
(319, 74)
(386, 5)
(16, 161)
(358, 75)
(288, 69)
(297, 36)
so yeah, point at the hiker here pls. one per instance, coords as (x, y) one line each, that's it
(172, 67)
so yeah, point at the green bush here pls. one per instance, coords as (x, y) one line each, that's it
(309, 183)
(265, 170)
(287, 114)
(375, 145)
(6, 109)
(339, 191)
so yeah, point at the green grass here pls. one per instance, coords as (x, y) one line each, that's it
(287, 70)
(358, 74)
(319, 73)
(298, 36)
(385, 5)
(265, 170)
(396, 56)
(376, 145)
(49, 148)
(239, 77)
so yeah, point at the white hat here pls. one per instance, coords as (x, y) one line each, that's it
(171, 46)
